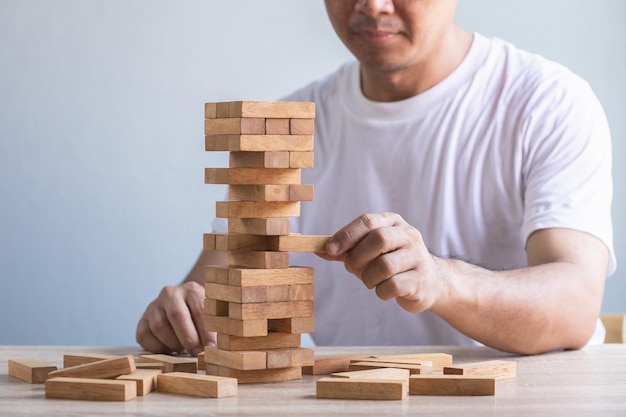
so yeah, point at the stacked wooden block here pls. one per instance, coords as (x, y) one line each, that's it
(258, 304)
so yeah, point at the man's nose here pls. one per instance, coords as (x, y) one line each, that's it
(374, 7)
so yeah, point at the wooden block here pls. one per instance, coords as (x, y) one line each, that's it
(267, 260)
(247, 209)
(216, 143)
(235, 126)
(242, 359)
(496, 369)
(30, 370)
(292, 325)
(252, 176)
(301, 192)
(252, 277)
(242, 328)
(301, 292)
(210, 110)
(299, 243)
(265, 192)
(150, 365)
(107, 368)
(214, 307)
(222, 110)
(240, 242)
(266, 227)
(273, 109)
(302, 357)
(258, 159)
(172, 363)
(197, 385)
(208, 241)
(327, 364)
(361, 389)
(279, 127)
(201, 362)
(274, 340)
(75, 359)
(270, 143)
(216, 273)
(91, 389)
(381, 373)
(256, 376)
(414, 369)
(277, 293)
(145, 380)
(302, 126)
(451, 385)
(280, 310)
(235, 294)
(439, 360)
(288, 358)
(300, 159)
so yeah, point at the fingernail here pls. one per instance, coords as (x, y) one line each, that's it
(333, 247)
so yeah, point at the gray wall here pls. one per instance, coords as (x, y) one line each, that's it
(102, 200)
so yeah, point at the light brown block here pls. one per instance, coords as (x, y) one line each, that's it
(252, 176)
(451, 385)
(236, 294)
(293, 325)
(215, 307)
(107, 368)
(216, 143)
(91, 389)
(496, 369)
(327, 364)
(210, 110)
(275, 109)
(150, 365)
(301, 160)
(270, 143)
(302, 126)
(30, 370)
(439, 360)
(301, 292)
(279, 127)
(267, 227)
(268, 260)
(414, 369)
(145, 380)
(252, 277)
(278, 358)
(279, 310)
(274, 340)
(240, 242)
(197, 385)
(172, 363)
(242, 328)
(381, 373)
(216, 273)
(267, 192)
(201, 363)
(257, 375)
(277, 293)
(362, 389)
(299, 243)
(242, 360)
(222, 109)
(301, 192)
(235, 126)
(258, 160)
(75, 359)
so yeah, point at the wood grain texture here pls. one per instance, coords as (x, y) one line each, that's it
(294, 275)
(259, 160)
(252, 176)
(267, 260)
(76, 359)
(438, 360)
(90, 389)
(243, 328)
(300, 243)
(273, 109)
(274, 340)
(30, 370)
(275, 126)
(242, 360)
(234, 126)
(496, 369)
(302, 126)
(292, 325)
(236, 294)
(415, 369)
(327, 364)
(268, 227)
(280, 310)
(301, 160)
(256, 376)
(145, 380)
(107, 368)
(362, 389)
(270, 143)
(197, 385)
(380, 373)
(451, 385)
(172, 363)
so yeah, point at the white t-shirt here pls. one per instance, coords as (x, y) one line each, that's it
(507, 144)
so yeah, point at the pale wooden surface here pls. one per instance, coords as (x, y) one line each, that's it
(589, 382)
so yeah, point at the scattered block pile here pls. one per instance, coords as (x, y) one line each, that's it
(258, 304)
(99, 377)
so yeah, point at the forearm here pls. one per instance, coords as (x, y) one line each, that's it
(196, 274)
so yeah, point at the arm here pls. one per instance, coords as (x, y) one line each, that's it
(173, 322)
(553, 303)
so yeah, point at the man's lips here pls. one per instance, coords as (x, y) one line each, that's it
(376, 37)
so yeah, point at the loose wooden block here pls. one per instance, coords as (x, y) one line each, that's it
(274, 340)
(197, 385)
(266, 192)
(414, 369)
(279, 127)
(273, 109)
(259, 160)
(381, 373)
(497, 369)
(235, 126)
(293, 325)
(252, 176)
(107, 368)
(253, 277)
(145, 380)
(451, 385)
(172, 363)
(266, 227)
(270, 143)
(299, 243)
(242, 360)
(362, 389)
(257, 375)
(75, 359)
(91, 389)
(327, 364)
(439, 360)
(242, 328)
(267, 260)
(215, 307)
(150, 365)
(236, 294)
(30, 370)
(279, 310)
(216, 143)
(300, 160)
(302, 126)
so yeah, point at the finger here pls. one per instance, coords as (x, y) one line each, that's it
(182, 324)
(196, 308)
(147, 339)
(163, 331)
(348, 236)
(386, 266)
(400, 285)
(378, 242)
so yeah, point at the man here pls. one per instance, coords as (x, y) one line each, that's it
(487, 175)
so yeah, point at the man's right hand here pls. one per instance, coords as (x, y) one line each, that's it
(173, 322)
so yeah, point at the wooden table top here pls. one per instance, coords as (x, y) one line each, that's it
(588, 382)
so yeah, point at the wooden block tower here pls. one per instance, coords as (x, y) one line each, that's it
(258, 304)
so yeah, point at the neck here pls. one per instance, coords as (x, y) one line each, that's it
(433, 66)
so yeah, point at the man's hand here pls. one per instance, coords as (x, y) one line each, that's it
(174, 321)
(388, 254)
